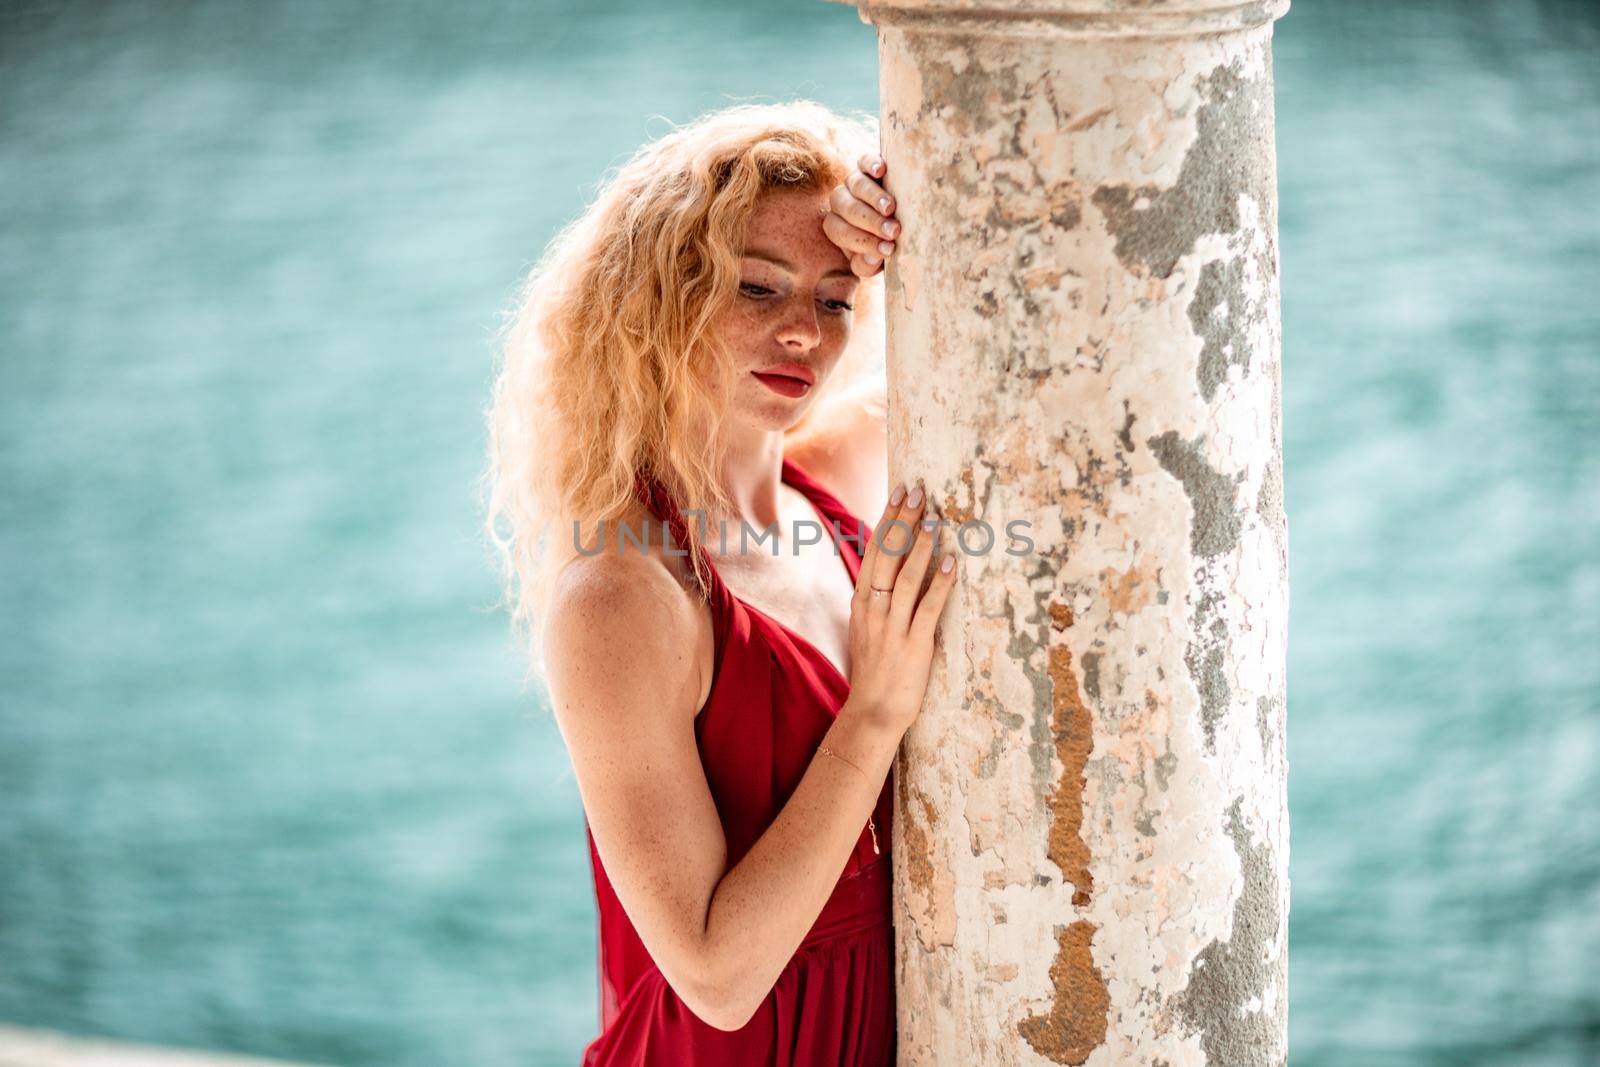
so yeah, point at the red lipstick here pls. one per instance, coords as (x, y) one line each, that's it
(787, 379)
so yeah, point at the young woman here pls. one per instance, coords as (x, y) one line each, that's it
(681, 361)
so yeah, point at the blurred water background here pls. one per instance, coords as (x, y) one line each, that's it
(267, 782)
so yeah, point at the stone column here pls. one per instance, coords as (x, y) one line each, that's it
(1092, 853)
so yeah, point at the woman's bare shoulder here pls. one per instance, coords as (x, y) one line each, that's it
(627, 604)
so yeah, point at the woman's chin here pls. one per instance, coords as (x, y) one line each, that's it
(775, 414)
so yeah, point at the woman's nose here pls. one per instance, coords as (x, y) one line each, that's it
(800, 328)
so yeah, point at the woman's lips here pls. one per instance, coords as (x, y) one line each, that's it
(783, 384)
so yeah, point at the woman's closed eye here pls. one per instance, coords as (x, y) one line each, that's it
(751, 289)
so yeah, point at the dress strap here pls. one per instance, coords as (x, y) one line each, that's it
(849, 528)
(653, 495)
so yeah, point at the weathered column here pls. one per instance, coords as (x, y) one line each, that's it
(1092, 851)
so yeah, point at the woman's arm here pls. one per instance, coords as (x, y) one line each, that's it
(625, 684)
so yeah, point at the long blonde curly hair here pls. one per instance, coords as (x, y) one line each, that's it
(610, 363)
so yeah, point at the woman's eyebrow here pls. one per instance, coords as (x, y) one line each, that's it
(779, 261)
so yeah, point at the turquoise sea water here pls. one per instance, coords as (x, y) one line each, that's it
(267, 782)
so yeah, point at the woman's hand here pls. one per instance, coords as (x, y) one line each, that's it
(892, 621)
(861, 218)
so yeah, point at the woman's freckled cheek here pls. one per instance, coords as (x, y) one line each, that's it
(750, 320)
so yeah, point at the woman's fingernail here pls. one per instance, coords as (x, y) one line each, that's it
(888, 228)
(872, 260)
(883, 203)
(885, 247)
(898, 495)
(916, 497)
(947, 563)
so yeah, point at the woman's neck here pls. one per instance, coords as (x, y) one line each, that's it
(752, 476)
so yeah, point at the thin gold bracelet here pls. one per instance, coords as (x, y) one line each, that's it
(872, 826)
(825, 750)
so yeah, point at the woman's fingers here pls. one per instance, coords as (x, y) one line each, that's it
(872, 164)
(932, 604)
(868, 577)
(863, 215)
(870, 555)
(849, 237)
(908, 586)
(897, 540)
(865, 266)
(860, 220)
(850, 225)
(869, 194)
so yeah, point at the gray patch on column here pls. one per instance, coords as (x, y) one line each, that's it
(1227, 975)
(1232, 154)
(1215, 526)
(1218, 316)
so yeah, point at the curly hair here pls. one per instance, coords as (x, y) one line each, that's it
(610, 363)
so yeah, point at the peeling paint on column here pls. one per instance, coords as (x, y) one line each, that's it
(1214, 529)
(1206, 657)
(1218, 320)
(1235, 997)
(1074, 736)
(931, 904)
(1269, 717)
(1076, 1024)
(1091, 812)
(1154, 226)
(1091, 674)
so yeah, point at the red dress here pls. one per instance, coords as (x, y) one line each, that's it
(773, 696)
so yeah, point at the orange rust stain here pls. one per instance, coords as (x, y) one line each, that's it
(955, 513)
(1079, 1016)
(915, 835)
(1127, 592)
(1042, 277)
(1072, 726)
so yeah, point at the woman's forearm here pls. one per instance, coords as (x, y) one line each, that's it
(763, 908)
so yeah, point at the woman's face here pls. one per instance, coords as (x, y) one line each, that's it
(790, 320)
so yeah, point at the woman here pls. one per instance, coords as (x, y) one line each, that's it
(684, 348)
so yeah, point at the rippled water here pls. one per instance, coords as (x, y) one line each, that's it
(266, 779)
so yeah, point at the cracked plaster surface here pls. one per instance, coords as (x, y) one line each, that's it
(1091, 852)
